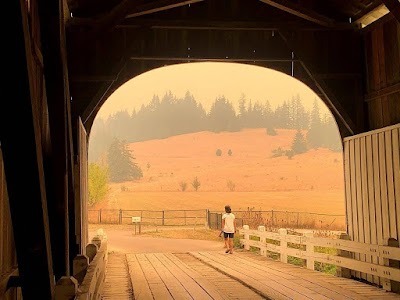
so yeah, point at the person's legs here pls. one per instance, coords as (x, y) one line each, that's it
(231, 243)
(226, 239)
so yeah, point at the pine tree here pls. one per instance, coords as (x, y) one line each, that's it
(121, 163)
(315, 133)
(299, 144)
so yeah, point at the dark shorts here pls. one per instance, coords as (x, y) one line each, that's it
(230, 235)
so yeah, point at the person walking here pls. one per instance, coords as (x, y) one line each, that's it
(229, 228)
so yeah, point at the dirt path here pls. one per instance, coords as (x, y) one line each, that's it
(125, 241)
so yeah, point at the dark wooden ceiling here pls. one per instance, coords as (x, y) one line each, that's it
(111, 41)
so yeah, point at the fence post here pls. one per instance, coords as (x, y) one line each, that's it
(91, 251)
(310, 250)
(163, 215)
(100, 216)
(390, 285)
(66, 288)
(184, 213)
(283, 244)
(263, 246)
(120, 216)
(272, 218)
(340, 271)
(79, 267)
(246, 236)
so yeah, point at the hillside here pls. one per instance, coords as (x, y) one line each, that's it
(251, 168)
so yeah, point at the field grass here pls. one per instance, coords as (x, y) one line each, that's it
(249, 179)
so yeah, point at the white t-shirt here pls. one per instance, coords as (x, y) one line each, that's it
(229, 222)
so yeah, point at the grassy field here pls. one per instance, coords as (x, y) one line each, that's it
(250, 178)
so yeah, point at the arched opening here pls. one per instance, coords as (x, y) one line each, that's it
(255, 138)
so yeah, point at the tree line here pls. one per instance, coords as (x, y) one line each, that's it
(172, 116)
(111, 160)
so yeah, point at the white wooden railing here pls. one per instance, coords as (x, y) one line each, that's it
(88, 272)
(278, 243)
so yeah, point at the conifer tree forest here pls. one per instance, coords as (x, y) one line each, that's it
(170, 116)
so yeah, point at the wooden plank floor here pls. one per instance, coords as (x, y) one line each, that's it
(117, 284)
(216, 275)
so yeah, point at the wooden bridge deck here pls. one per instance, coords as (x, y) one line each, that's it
(216, 275)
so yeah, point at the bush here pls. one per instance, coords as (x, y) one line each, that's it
(230, 152)
(183, 186)
(218, 152)
(271, 131)
(231, 185)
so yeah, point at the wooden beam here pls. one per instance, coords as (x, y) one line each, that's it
(59, 163)
(395, 88)
(200, 59)
(160, 5)
(394, 7)
(232, 25)
(101, 94)
(300, 12)
(126, 9)
(23, 161)
(334, 104)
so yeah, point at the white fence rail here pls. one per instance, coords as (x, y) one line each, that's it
(308, 247)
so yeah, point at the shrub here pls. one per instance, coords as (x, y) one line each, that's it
(230, 152)
(183, 185)
(218, 152)
(231, 185)
(271, 131)
(196, 183)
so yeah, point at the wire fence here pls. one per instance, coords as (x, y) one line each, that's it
(271, 219)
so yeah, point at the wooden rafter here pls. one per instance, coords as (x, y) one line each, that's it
(160, 5)
(394, 7)
(300, 12)
(205, 24)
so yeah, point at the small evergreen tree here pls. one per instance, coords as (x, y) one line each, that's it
(196, 183)
(271, 131)
(299, 144)
(121, 163)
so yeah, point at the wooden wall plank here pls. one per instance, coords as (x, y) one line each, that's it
(383, 187)
(359, 200)
(354, 207)
(365, 200)
(371, 199)
(347, 176)
(396, 175)
(377, 190)
(390, 184)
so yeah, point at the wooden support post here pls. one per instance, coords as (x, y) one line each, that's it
(79, 267)
(283, 244)
(24, 159)
(66, 288)
(246, 229)
(340, 271)
(91, 251)
(310, 251)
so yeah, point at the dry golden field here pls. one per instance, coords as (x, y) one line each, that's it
(309, 182)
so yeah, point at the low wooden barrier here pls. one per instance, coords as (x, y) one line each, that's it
(88, 272)
(310, 249)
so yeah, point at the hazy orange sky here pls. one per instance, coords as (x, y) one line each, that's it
(206, 81)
